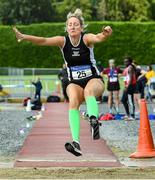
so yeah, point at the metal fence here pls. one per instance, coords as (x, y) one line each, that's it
(9, 71)
(22, 87)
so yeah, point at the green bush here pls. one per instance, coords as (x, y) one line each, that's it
(128, 39)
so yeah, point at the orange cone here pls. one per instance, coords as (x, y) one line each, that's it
(145, 142)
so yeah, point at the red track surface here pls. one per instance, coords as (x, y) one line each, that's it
(44, 146)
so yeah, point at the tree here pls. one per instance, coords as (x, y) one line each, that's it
(152, 9)
(124, 10)
(102, 10)
(67, 5)
(109, 10)
(136, 10)
(94, 7)
(25, 11)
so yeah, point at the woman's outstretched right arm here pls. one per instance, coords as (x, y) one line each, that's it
(42, 41)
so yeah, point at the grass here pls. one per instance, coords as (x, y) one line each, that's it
(78, 173)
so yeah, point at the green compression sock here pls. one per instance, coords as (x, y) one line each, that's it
(74, 121)
(92, 106)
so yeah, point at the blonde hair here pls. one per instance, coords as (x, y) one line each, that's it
(77, 14)
(111, 61)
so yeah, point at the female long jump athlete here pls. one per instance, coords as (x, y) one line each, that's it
(85, 83)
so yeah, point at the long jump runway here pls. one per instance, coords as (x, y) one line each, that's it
(44, 146)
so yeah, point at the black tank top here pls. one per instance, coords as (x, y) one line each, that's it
(79, 59)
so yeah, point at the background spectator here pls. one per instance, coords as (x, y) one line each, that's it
(129, 74)
(113, 85)
(38, 88)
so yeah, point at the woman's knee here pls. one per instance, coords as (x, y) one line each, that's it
(75, 95)
(94, 87)
(117, 98)
(74, 103)
(88, 92)
(93, 91)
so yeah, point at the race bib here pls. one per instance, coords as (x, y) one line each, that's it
(113, 79)
(81, 72)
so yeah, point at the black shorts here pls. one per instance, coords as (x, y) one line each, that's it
(139, 87)
(131, 89)
(113, 87)
(83, 82)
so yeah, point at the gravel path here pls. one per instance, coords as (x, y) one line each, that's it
(123, 134)
(14, 127)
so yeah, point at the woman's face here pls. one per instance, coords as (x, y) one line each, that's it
(111, 64)
(74, 27)
(126, 62)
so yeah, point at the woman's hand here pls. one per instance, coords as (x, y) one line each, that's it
(18, 34)
(107, 31)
